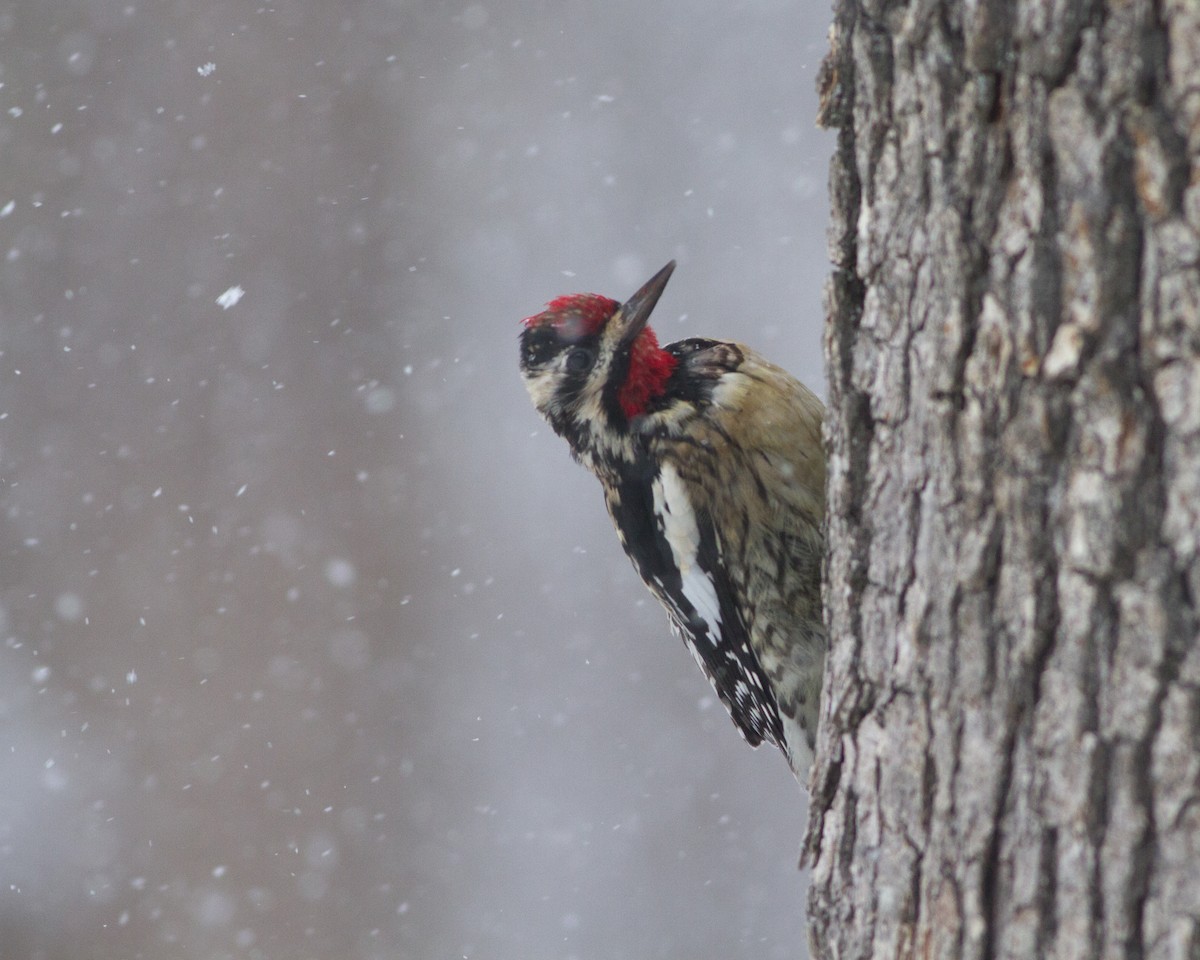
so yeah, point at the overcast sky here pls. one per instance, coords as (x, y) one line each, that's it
(316, 643)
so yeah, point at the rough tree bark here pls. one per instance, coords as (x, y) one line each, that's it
(1009, 762)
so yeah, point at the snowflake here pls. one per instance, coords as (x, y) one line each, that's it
(230, 297)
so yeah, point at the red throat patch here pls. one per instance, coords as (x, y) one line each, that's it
(650, 367)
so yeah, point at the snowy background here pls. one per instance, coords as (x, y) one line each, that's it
(315, 642)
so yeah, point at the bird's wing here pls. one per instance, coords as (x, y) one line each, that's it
(683, 568)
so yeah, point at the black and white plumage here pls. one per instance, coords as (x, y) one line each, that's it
(714, 475)
(676, 554)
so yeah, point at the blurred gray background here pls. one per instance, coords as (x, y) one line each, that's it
(315, 642)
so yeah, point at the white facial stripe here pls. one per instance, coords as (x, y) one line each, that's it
(541, 389)
(682, 534)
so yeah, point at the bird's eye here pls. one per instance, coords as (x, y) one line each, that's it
(580, 359)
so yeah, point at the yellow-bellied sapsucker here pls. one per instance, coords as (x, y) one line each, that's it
(714, 474)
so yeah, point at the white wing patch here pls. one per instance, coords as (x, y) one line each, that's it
(679, 527)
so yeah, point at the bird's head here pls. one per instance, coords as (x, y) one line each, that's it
(592, 365)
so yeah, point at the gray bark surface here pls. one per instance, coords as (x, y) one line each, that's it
(1009, 762)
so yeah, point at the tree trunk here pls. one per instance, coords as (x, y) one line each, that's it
(1009, 762)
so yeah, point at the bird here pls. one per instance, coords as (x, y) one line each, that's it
(713, 470)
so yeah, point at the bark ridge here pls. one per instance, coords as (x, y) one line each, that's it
(1009, 763)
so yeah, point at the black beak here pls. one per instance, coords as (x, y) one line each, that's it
(635, 311)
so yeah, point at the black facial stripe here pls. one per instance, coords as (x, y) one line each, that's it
(539, 345)
(618, 372)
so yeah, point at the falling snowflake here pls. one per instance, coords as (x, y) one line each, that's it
(207, 69)
(230, 297)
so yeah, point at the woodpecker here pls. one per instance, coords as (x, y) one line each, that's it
(713, 472)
